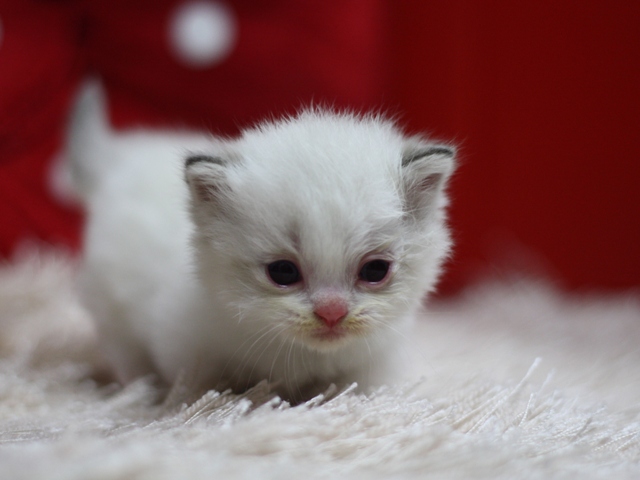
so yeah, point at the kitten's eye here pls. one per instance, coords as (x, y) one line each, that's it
(374, 271)
(283, 272)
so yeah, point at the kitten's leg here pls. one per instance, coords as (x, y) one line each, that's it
(126, 353)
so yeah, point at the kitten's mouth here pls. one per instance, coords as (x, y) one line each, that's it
(322, 337)
(329, 334)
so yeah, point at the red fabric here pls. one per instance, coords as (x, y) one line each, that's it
(39, 68)
(288, 54)
(544, 98)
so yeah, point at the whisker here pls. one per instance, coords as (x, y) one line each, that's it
(290, 369)
(304, 354)
(243, 362)
(246, 340)
(275, 359)
(264, 349)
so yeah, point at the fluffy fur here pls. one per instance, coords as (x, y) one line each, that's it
(182, 227)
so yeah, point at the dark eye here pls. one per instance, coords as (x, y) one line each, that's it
(283, 272)
(374, 271)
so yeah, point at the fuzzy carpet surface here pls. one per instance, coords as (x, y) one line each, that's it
(509, 380)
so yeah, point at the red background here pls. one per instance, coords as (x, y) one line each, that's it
(543, 98)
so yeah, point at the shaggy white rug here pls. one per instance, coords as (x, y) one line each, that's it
(510, 380)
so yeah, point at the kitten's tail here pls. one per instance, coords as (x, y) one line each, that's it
(89, 143)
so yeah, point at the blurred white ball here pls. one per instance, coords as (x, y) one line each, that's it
(202, 33)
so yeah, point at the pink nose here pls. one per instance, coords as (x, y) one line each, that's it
(331, 311)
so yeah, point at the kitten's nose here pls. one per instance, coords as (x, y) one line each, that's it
(331, 311)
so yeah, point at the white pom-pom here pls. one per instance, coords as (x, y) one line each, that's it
(202, 33)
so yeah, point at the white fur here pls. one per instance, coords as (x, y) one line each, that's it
(191, 297)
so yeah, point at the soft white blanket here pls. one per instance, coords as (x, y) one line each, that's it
(510, 380)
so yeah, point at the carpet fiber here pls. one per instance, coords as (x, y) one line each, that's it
(509, 380)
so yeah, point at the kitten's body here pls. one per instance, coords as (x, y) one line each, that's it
(176, 293)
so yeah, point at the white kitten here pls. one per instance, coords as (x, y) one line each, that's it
(298, 252)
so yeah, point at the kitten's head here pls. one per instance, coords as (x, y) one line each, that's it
(324, 229)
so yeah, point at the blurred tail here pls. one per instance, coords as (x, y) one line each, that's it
(89, 142)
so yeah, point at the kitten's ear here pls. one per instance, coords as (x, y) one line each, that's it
(426, 167)
(206, 177)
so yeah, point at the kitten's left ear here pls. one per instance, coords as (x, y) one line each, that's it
(426, 167)
(207, 178)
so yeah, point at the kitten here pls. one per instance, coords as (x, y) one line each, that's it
(298, 252)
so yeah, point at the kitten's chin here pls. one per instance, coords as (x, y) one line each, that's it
(327, 339)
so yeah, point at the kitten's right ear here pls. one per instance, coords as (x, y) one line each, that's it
(206, 177)
(426, 167)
